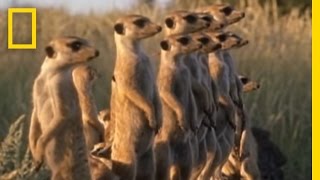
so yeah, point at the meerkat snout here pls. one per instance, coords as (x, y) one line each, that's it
(216, 47)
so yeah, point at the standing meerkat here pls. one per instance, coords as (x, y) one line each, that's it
(220, 73)
(136, 95)
(56, 132)
(83, 78)
(172, 146)
(244, 162)
(202, 152)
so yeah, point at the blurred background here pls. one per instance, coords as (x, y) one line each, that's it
(278, 56)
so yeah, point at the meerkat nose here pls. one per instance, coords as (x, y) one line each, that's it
(258, 86)
(208, 24)
(159, 28)
(243, 14)
(217, 46)
(97, 53)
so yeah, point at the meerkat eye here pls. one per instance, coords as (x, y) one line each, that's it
(204, 40)
(222, 37)
(207, 18)
(244, 80)
(191, 19)
(184, 40)
(140, 23)
(75, 46)
(226, 10)
(169, 22)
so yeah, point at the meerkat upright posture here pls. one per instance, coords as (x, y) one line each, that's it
(204, 152)
(83, 78)
(136, 95)
(56, 134)
(219, 71)
(244, 163)
(173, 148)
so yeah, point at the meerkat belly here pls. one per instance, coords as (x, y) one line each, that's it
(132, 125)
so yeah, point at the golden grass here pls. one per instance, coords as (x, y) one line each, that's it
(279, 56)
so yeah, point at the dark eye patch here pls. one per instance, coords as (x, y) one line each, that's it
(140, 23)
(207, 18)
(226, 10)
(75, 46)
(204, 40)
(222, 37)
(184, 40)
(191, 19)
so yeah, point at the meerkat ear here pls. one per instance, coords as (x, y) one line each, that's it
(165, 45)
(169, 23)
(119, 28)
(50, 51)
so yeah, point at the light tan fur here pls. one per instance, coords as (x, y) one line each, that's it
(183, 22)
(109, 126)
(135, 105)
(83, 78)
(248, 85)
(56, 134)
(173, 149)
(225, 14)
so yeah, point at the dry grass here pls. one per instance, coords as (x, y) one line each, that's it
(279, 56)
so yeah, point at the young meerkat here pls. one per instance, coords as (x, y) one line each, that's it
(172, 146)
(248, 85)
(244, 163)
(56, 132)
(100, 165)
(136, 95)
(83, 78)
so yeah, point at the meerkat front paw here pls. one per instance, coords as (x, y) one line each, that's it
(38, 156)
(152, 120)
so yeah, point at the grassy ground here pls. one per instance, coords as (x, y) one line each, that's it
(279, 56)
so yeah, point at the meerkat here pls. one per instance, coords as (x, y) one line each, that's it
(220, 73)
(225, 14)
(136, 95)
(202, 153)
(248, 85)
(83, 78)
(100, 164)
(109, 126)
(56, 134)
(172, 146)
(183, 22)
(244, 163)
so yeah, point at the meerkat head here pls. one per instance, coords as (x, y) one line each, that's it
(70, 50)
(208, 45)
(248, 85)
(228, 40)
(136, 27)
(85, 76)
(179, 45)
(183, 22)
(214, 24)
(223, 13)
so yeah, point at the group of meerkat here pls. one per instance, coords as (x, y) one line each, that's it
(188, 122)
